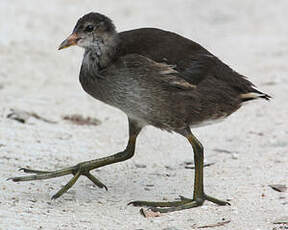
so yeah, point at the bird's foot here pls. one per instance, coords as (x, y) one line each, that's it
(82, 168)
(184, 203)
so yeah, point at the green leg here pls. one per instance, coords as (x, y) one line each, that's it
(198, 195)
(85, 167)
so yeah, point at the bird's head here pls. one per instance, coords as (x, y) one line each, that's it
(90, 31)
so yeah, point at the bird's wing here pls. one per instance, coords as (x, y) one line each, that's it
(160, 72)
(194, 63)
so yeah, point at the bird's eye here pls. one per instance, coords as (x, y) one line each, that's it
(89, 28)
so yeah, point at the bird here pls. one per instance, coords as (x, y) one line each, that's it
(158, 78)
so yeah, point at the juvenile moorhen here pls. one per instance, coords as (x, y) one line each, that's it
(157, 78)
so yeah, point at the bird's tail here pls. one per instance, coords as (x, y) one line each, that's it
(254, 95)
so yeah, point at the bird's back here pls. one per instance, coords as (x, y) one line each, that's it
(194, 62)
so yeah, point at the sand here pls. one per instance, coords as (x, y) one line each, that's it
(249, 149)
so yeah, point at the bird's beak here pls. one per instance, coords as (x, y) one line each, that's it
(70, 41)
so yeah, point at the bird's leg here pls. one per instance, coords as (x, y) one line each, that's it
(198, 196)
(85, 167)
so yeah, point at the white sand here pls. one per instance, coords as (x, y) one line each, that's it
(251, 36)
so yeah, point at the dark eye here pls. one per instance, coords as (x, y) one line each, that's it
(89, 28)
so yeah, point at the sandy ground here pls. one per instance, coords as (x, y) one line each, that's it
(249, 149)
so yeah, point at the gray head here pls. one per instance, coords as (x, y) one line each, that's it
(91, 31)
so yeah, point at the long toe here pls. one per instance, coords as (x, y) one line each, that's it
(216, 201)
(27, 170)
(97, 182)
(183, 200)
(67, 186)
(140, 203)
(184, 205)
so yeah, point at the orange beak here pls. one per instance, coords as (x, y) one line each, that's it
(70, 41)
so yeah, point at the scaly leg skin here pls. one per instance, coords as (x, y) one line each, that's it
(198, 196)
(85, 167)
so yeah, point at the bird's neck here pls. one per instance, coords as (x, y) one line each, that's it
(101, 53)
